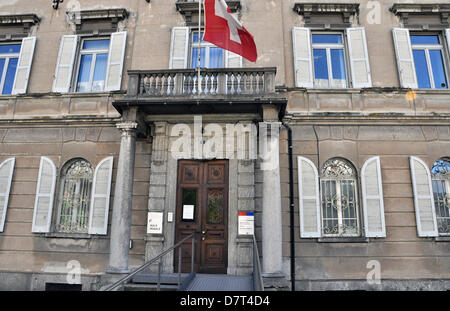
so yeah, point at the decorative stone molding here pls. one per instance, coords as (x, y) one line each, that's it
(407, 10)
(127, 128)
(346, 10)
(187, 8)
(112, 16)
(23, 21)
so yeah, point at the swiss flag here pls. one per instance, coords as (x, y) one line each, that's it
(225, 31)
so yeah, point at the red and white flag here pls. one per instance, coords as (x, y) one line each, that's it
(224, 30)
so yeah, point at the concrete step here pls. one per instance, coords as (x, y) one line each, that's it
(130, 287)
(153, 278)
(218, 282)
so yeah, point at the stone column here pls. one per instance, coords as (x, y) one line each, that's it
(121, 217)
(269, 133)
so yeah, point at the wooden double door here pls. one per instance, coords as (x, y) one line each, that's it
(202, 208)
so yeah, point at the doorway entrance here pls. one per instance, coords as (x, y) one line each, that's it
(202, 208)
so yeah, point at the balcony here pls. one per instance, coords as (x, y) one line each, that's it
(181, 90)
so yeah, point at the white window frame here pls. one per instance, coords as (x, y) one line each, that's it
(5, 68)
(427, 48)
(94, 60)
(203, 44)
(328, 47)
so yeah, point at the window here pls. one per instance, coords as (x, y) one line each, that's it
(9, 57)
(211, 56)
(75, 195)
(92, 65)
(428, 54)
(329, 60)
(440, 174)
(329, 207)
(339, 203)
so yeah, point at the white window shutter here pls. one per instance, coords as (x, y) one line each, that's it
(372, 194)
(101, 190)
(116, 57)
(359, 57)
(65, 64)
(303, 70)
(6, 174)
(45, 190)
(405, 59)
(423, 198)
(24, 66)
(232, 60)
(309, 200)
(447, 36)
(179, 48)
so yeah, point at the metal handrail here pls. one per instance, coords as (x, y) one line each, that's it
(159, 257)
(258, 284)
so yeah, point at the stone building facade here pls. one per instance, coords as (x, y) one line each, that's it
(349, 186)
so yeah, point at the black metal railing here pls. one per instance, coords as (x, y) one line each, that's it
(181, 284)
(258, 284)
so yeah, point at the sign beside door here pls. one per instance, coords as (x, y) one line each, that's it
(246, 223)
(155, 223)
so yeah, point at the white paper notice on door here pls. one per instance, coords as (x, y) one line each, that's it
(188, 212)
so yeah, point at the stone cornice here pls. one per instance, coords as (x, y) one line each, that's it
(20, 19)
(346, 10)
(191, 6)
(113, 16)
(301, 8)
(420, 8)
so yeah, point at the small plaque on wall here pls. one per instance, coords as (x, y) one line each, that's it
(246, 223)
(155, 223)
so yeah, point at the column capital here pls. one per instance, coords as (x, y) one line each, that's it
(127, 127)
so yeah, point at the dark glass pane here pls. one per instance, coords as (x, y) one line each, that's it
(420, 62)
(338, 64)
(320, 64)
(189, 204)
(99, 72)
(189, 197)
(96, 45)
(84, 74)
(327, 38)
(215, 206)
(10, 48)
(10, 75)
(437, 66)
(427, 39)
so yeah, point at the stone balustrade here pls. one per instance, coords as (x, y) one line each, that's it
(212, 82)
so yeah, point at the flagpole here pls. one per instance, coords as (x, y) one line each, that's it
(199, 42)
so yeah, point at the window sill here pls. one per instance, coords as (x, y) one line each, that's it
(442, 239)
(343, 240)
(62, 235)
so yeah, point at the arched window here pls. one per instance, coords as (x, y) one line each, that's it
(74, 198)
(440, 174)
(339, 198)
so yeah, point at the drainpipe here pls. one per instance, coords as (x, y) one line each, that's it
(291, 205)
